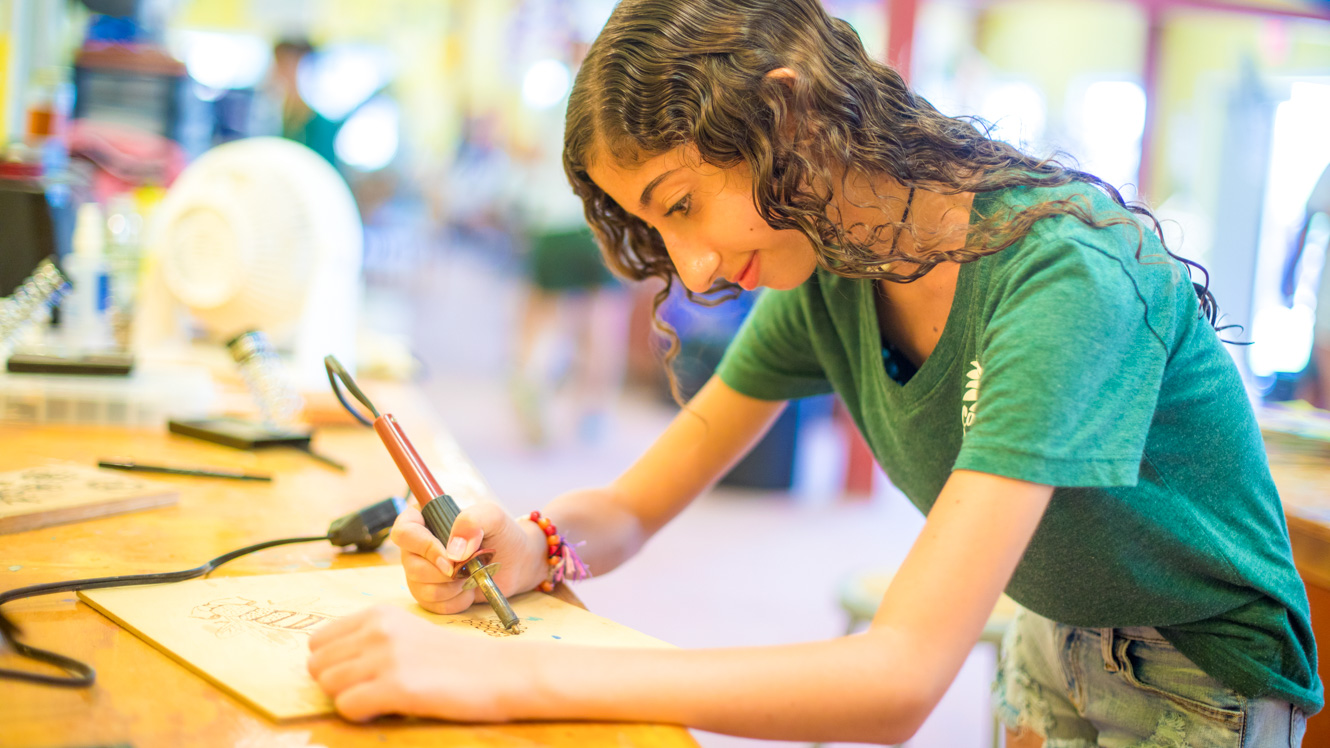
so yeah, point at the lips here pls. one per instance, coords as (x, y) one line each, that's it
(747, 278)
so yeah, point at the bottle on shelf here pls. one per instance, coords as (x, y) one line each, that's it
(83, 314)
(123, 259)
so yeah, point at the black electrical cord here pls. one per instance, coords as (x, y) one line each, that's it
(82, 675)
(335, 372)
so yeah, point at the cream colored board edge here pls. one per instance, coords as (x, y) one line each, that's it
(85, 493)
(95, 605)
(294, 704)
(80, 512)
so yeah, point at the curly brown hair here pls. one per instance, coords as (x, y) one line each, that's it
(667, 73)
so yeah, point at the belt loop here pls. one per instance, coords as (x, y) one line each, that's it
(1106, 649)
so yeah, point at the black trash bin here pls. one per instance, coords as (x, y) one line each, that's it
(770, 464)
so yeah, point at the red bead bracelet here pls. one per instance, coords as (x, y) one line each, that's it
(562, 558)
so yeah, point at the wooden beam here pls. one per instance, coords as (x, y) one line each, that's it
(1150, 80)
(900, 34)
(1317, 11)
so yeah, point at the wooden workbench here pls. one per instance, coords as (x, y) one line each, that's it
(143, 698)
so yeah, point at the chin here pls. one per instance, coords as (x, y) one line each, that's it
(791, 281)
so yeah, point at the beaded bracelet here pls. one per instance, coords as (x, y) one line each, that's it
(563, 559)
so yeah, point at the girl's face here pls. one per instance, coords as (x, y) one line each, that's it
(707, 219)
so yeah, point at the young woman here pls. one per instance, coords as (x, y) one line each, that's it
(1029, 364)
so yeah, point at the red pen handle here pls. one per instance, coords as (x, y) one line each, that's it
(439, 511)
(408, 461)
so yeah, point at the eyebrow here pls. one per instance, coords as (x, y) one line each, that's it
(645, 200)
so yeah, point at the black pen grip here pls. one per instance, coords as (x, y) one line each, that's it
(439, 516)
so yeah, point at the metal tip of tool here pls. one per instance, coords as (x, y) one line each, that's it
(480, 577)
(500, 604)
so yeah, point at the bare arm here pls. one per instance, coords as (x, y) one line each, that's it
(710, 435)
(702, 443)
(878, 686)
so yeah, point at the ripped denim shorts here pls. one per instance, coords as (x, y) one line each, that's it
(1126, 688)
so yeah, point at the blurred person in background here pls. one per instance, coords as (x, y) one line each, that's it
(1314, 383)
(299, 121)
(572, 334)
(476, 195)
(1032, 367)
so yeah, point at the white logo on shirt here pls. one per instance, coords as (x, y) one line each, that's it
(971, 396)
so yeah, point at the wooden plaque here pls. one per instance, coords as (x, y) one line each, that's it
(59, 493)
(250, 635)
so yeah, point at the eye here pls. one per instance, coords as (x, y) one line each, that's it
(680, 207)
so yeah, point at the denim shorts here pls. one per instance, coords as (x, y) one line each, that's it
(1126, 688)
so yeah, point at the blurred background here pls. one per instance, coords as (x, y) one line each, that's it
(424, 231)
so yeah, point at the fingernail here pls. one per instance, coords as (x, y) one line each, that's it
(445, 567)
(457, 549)
(472, 546)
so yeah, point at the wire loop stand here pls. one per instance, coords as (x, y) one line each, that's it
(262, 371)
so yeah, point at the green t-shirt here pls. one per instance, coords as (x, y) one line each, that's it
(1068, 361)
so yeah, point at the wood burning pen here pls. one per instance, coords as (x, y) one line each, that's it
(440, 512)
(438, 508)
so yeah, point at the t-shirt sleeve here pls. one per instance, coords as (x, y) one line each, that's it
(1069, 370)
(772, 357)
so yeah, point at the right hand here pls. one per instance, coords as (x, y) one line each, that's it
(431, 566)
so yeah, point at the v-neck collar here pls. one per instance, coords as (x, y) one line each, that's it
(943, 358)
(939, 361)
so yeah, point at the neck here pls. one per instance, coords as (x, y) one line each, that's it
(934, 221)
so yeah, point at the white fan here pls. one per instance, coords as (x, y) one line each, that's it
(260, 233)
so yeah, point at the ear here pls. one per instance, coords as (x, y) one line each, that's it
(786, 77)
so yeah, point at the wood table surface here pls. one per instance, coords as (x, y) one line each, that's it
(142, 697)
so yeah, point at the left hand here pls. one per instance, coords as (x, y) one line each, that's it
(385, 660)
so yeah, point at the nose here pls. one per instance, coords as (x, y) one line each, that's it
(696, 265)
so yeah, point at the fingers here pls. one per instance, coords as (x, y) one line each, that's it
(335, 629)
(368, 665)
(429, 575)
(386, 660)
(347, 656)
(420, 570)
(431, 567)
(339, 645)
(410, 534)
(442, 598)
(342, 674)
(330, 645)
(366, 700)
(470, 527)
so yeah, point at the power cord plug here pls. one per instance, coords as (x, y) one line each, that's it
(368, 528)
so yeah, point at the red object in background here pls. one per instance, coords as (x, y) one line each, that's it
(20, 169)
(124, 157)
(859, 461)
(128, 114)
(900, 34)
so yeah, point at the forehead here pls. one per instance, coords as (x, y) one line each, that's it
(624, 182)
